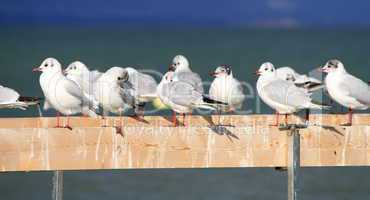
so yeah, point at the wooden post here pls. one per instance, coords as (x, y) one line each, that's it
(58, 185)
(293, 162)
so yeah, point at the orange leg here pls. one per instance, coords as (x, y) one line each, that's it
(277, 115)
(174, 120)
(350, 118)
(58, 121)
(184, 119)
(68, 124)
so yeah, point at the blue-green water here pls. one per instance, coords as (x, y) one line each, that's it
(22, 48)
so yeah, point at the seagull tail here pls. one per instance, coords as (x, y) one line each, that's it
(212, 101)
(30, 99)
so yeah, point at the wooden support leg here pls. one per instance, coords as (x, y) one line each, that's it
(58, 185)
(293, 163)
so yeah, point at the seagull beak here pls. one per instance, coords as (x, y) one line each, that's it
(37, 69)
(171, 68)
(214, 74)
(257, 73)
(64, 72)
(322, 69)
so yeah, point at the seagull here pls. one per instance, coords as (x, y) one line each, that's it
(180, 65)
(300, 80)
(225, 88)
(182, 97)
(346, 89)
(109, 93)
(61, 93)
(138, 89)
(9, 98)
(79, 73)
(283, 96)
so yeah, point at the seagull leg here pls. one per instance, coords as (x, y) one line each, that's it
(350, 117)
(67, 126)
(58, 121)
(174, 120)
(219, 117)
(286, 119)
(277, 115)
(184, 119)
(307, 116)
(119, 127)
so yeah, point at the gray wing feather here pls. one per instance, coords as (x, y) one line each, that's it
(191, 78)
(183, 93)
(143, 84)
(127, 96)
(356, 88)
(287, 93)
(8, 94)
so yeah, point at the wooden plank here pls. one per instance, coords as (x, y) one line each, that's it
(154, 121)
(36, 147)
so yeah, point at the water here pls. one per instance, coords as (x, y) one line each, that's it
(23, 48)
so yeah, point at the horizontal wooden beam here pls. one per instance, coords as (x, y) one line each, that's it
(31, 144)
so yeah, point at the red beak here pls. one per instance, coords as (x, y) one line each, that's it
(257, 73)
(213, 74)
(37, 69)
(171, 68)
(64, 72)
(321, 70)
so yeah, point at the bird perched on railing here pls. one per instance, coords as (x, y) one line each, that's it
(138, 89)
(63, 94)
(80, 73)
(282, 95)
(182, 97)
(226, 88)
(346, 89)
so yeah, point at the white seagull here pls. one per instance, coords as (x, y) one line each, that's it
(138, 89)
(79, 73)
(346, 89)
(182, 97)
(61, 93)
(281, 95)
(226, 88)
(301, 80)
(10, 98)
(181, 66)
(109, 92)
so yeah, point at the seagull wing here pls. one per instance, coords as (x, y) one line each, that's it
(191, 78)
(8, 95)
(355, 88)
(286, 93)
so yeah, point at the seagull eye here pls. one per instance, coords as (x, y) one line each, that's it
(45, 65)
(266, 69)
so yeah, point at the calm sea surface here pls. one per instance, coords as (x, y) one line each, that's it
(22, 48)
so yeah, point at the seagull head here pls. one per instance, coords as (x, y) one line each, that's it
(265, 69)
(179, 63)
(49, 65)
(333, 65)
(222, 71)
(76, 68)
(117, 74)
